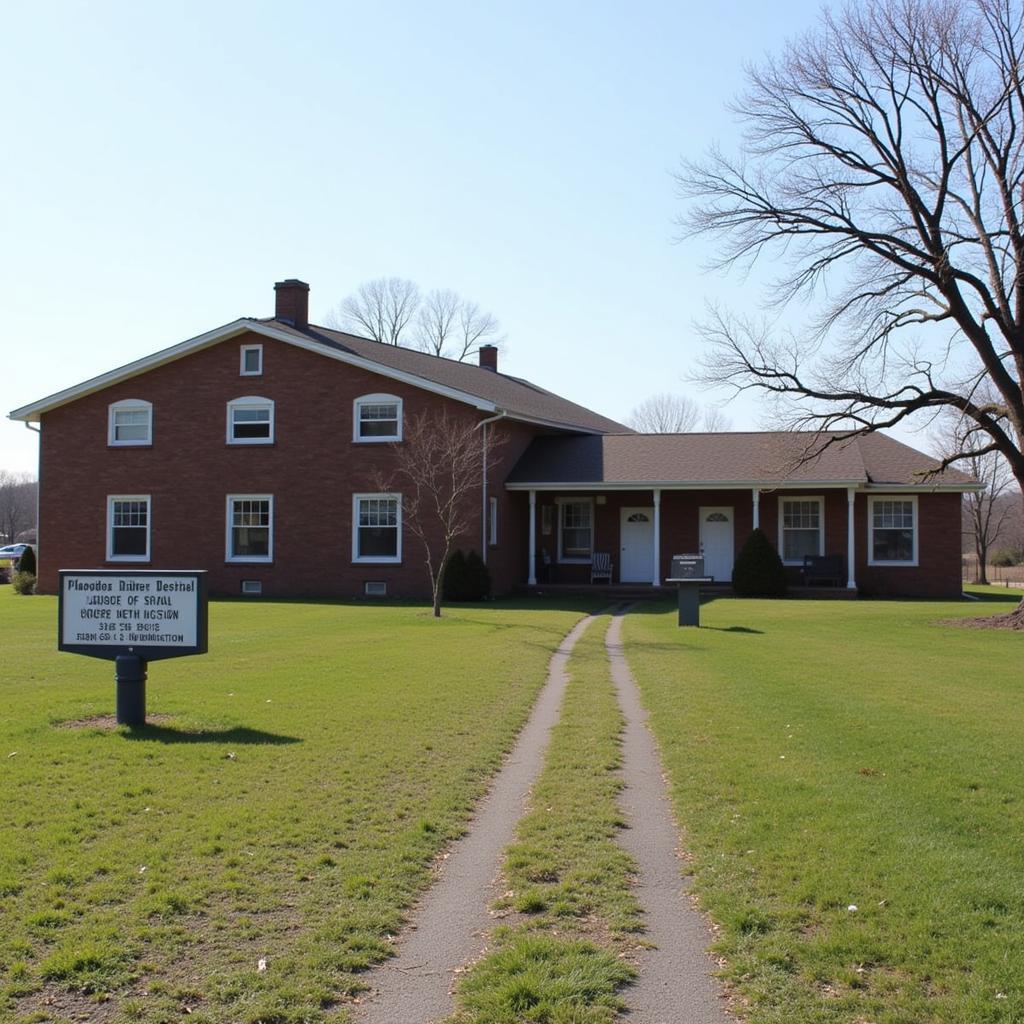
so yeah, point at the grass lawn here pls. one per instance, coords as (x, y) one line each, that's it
(566, 874)
(285, 811)
(850, 778)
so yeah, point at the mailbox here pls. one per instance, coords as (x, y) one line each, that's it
(687, 567)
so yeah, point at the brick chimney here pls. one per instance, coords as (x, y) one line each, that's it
(291, 302)
(489, 357)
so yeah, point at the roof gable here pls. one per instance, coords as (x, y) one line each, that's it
(476, 386)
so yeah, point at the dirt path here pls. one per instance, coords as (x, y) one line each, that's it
(675, 984)
(449, 928)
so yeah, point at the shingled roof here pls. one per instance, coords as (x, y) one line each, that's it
(766, 459)
(513, 395)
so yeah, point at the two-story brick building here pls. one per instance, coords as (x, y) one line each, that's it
(255, 451)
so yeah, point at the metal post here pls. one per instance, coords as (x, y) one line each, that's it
(130, 672)
(689, 604)
(851, 577)
(656, 578)
(532, 578)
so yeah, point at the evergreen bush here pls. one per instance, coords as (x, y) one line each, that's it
(759, 571)
(27, 562)
(466, 578)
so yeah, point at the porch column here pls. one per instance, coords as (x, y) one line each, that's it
(757, 508)
(531, 580)
(851, 583)
(656, 578)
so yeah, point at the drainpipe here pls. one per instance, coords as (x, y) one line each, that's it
(39, 485)
(483, 487)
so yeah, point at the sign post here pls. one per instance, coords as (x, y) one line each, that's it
(132, 618)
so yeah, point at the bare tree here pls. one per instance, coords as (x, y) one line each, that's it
(450, 326)
(883, 173)
(986, 512)
(439, 473)
(393, 311)
(380, 309)
(17, 505)
(675, 414)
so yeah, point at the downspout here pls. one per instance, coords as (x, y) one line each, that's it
(39, 485)
(483, 487)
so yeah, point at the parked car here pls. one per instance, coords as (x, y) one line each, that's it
(10, 556)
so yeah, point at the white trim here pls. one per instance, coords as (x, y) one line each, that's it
(377, 399)
(656, 575)
(249, 402)
(492, 522)
(229, 526)
(531, 578)
(574, 501)
(111, 498)
(756, 491)
(738, 485)
(851, 540)
(129, 405)
(242, 371)
(783, 498)
(376, 559)
(912, 498)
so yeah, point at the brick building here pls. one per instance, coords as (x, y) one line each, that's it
(255, 451)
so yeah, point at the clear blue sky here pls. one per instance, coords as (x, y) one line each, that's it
(165, 164)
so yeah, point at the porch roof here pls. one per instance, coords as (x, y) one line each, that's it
(769, 459)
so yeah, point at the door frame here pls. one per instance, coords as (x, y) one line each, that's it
(702, 512)
(648, 510)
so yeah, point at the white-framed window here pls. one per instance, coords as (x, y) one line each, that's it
(251, 360)
(128, 527)
(376, 528)
(377, 418)
(801, 528)
(251, 421)
(575, 529)
(892, 529)
(130, 422)
(492, 521)
(250, 528)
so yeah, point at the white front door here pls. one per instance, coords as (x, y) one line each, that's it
(636, 541)
(716, 542)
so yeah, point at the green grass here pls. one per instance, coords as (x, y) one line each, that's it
(830, 755)
(287, 808)
(566, 873)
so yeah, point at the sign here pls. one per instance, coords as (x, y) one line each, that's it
(687, 567)
(106, 613)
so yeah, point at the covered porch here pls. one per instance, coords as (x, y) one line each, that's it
(641, 529)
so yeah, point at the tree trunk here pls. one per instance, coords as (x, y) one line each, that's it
(981, 551)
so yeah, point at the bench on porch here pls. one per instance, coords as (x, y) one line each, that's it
(601, 567)
(823, 569)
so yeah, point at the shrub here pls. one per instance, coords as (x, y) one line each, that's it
(466, 578)
(1005, 557)
(24, 582)
(758, 571)
(27, 562)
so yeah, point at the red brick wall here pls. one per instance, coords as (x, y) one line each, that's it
(312, 470)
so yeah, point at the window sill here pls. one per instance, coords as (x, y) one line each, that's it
(129, 444)
(248, 561)
(250, 444)
(575, 561)
(376, 440)
(376, 561)
(894, 565)
(128, 560)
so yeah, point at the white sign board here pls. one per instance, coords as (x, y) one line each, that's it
(152, 614)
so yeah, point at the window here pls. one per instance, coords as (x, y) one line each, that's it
(892, 531)
(250, 528)
(251, 421)
(130, 423)
(575, 530)
(801, 528)
(377, 528)
(128, 528)
(377, 418)
(252, 360)
(492, 521)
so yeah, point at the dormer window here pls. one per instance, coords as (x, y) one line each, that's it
(251, 421)
(130, 422)
(377, 418)
(252, 360)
